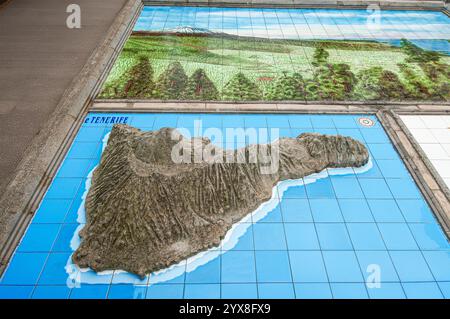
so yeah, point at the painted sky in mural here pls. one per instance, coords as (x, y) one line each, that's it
(300, 23)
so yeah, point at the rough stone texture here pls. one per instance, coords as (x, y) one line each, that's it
(145, 212)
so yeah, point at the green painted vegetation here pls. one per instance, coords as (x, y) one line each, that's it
(240, 88)
(194, 67)
(171, 83)
(200, 87)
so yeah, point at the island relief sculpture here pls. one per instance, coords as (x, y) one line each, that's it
(195, 65)
(152, 203)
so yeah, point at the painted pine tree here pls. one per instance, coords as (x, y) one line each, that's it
(334, 81)
(240, 88)
(200, 87)
(140, 83)
(171, 83)
(286, 87)
(320, 56)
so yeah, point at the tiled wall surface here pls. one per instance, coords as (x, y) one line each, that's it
(432, 132)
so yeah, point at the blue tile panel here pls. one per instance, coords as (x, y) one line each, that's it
(322, 240)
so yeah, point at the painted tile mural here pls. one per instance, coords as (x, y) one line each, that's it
(251, 54)
(321, 236)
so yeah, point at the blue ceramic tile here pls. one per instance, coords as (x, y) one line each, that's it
(411, 266)
(164, 291)
(374, 135)
(355, 210)
(383, 151)
(202, 291)
(300, 121)
(190, 120)
(72, 168)
(387, 291)
(353, 133)
(273, 216)
(276, 291)
(39, 238)
(312, 291)
(365, 236)
(238, 266)
(15, 292)
(294, 192)
(321, 188)
(368, 260)
(385, 211)
(301, 236)
(276, 240)
(403, 188)
(393, 169)
(416, 211)
(245, 242)
(239, 291)
(51, 292)
(333, 236)
(72, 214)
(63, 188)
(349, 291)
(233, 121)
(325, 210)
(343, 122)
(397, 236)
(52, 211)
(255, 121)
(54, 272)
(375, 188)
(445, 289)
(208, 273)
(373, 173)
(295, 210)
(342, 266)
(83, 150)
(164, 120)
(307, 266)
(273, 266)
(24, 269)
(127, 292)
(62, 243)
(143, 121)
(429, 236)
(347, 187)
(285, 132)
(90, 134)
(422, 290)
(279, 121)
(89, 292)
(320, 121)
(438, 262)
